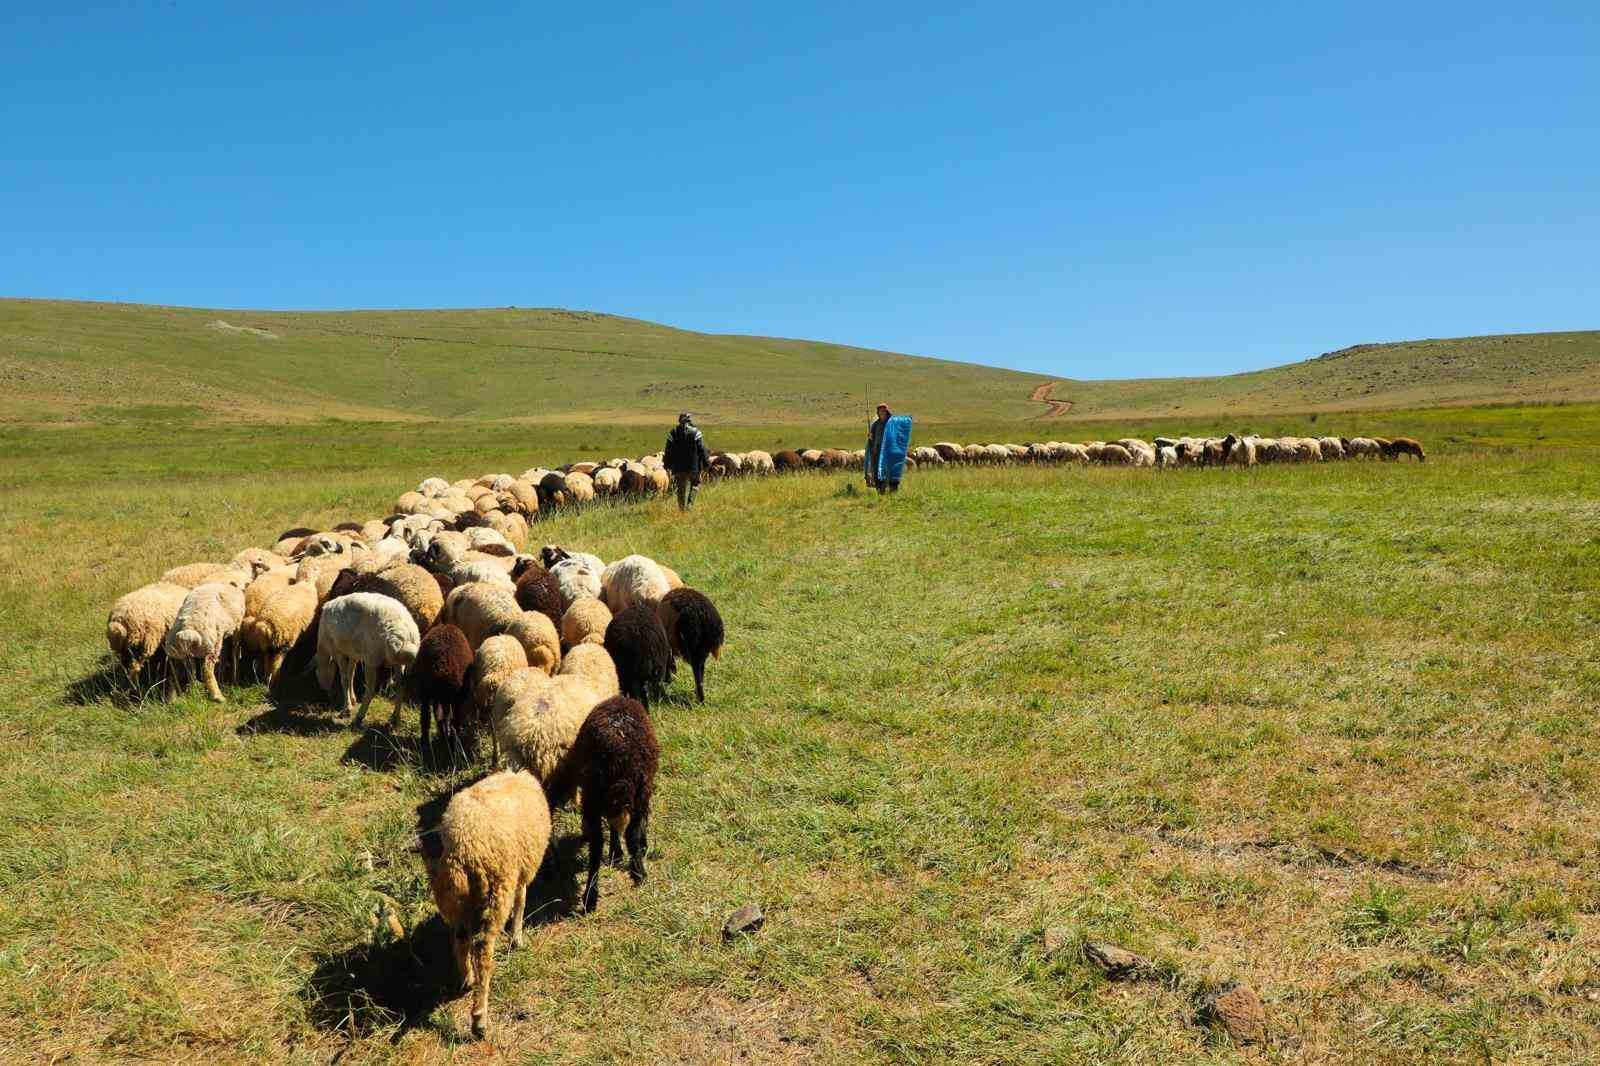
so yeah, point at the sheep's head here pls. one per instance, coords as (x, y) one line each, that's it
(551, 554)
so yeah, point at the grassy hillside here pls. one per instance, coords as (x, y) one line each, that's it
(95, 361)
(89, 362)
(1319, 729)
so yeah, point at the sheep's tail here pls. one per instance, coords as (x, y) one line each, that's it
(189, 644)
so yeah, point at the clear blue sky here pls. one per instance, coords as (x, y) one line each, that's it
(1089, 190)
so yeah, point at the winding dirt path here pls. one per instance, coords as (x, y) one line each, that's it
(1043, 395)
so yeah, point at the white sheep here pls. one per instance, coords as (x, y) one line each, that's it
(576, 577)
(208, 618)
(485, 854)
(630, 580)
(366, 629)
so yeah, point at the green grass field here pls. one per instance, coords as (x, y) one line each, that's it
(1324, 730)
(74, 362)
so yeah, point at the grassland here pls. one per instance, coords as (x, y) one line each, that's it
(68, 362)
(1324, 730)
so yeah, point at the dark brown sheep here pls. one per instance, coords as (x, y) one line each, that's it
(538, 590)
(787, 460)
(637, 643)
(613, 760)
(694, 631)
(438, 681)
(1394, 449)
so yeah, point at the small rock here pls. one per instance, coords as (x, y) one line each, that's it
(746, 919)
(1117, 963)
(1238, 1010)
(1056, 939)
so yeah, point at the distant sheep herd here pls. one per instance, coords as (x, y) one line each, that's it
(555, 655)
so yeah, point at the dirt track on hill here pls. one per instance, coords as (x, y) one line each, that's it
(1043, 395)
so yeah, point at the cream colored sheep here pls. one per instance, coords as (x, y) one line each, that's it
(481, 610)
(535, 728)
(486, 852)
(138, 624)
(279, 621)
(584, 622)
(630, 580)
(538, 637)
(369, 630)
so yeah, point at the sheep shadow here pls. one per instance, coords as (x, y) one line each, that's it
(108, 683)
(370, 986)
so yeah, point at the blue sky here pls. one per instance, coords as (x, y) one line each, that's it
(1088, 190)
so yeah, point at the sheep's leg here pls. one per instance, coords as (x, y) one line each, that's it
(274, 666)
(400, 705)
(518, 905)
(347, 670)
(372, 689)
(483, 961)
(699, 679)
(614, 857)
(461, 941)
(233, 648)
(209, 667)
(594, 833)
(637, 844)
(424, 711)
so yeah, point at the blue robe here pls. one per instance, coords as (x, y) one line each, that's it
(886, 461)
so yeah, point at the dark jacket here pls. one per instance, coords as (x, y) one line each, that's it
(874, 442)
(685, 452)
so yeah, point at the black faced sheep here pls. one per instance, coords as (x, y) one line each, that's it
(694, 631)
(637, 643)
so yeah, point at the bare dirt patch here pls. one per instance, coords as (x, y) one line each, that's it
(1043, 394)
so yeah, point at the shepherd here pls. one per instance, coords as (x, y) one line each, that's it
(888, 441)
(685, 457)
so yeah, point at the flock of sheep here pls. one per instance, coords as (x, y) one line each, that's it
(556, 655)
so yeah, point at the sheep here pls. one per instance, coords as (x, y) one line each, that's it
(536, 590)
(575, 578)
(759, 463)
(580, 487)
(694, 631)
(1360, 447)
(607, 481)
(319, 572)
(369, 630)
(630, 580)
(274, 624)
(481, 610)
(585, 622)
(949, 452)
(637, 643)
(498, 660)
(1166, 456)
(486, 852)
(412, 586)
(433, 487)
(1399, 446)
(537, 722)
(1238, 450)
(138, 624)
(481, 571)
(192, 575)
(614, 761)
(208, 617)
(538, 637)
(257, 560)
(787, 460)
(438, 681)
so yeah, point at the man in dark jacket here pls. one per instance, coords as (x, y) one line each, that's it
(685, 458)
(874, 445)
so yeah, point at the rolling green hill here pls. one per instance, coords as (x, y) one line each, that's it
(63, 361)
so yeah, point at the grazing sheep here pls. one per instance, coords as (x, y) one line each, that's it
(1399, 446)
(1331, 448)
(1238, 450)
(630, 580)
(438, 682)
(369, 630)
(538, 637)
(536, 590)
(759, 463)
(498, 659)
(486, 853)
(138, 624)
(208, 617)
(320, 572)
(276, 623)
(637, 643)
(257, 560)
(192, 575)
(481, 610)
(787, 460)
(607, 481)
(585, 622)
(411, 585)
(694, 631)
(614, 761)
(537, 724)
(576, 578)
(1361, 447)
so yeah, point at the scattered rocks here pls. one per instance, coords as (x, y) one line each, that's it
(746, 919)
(1118, 964)
(1237, 1010)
